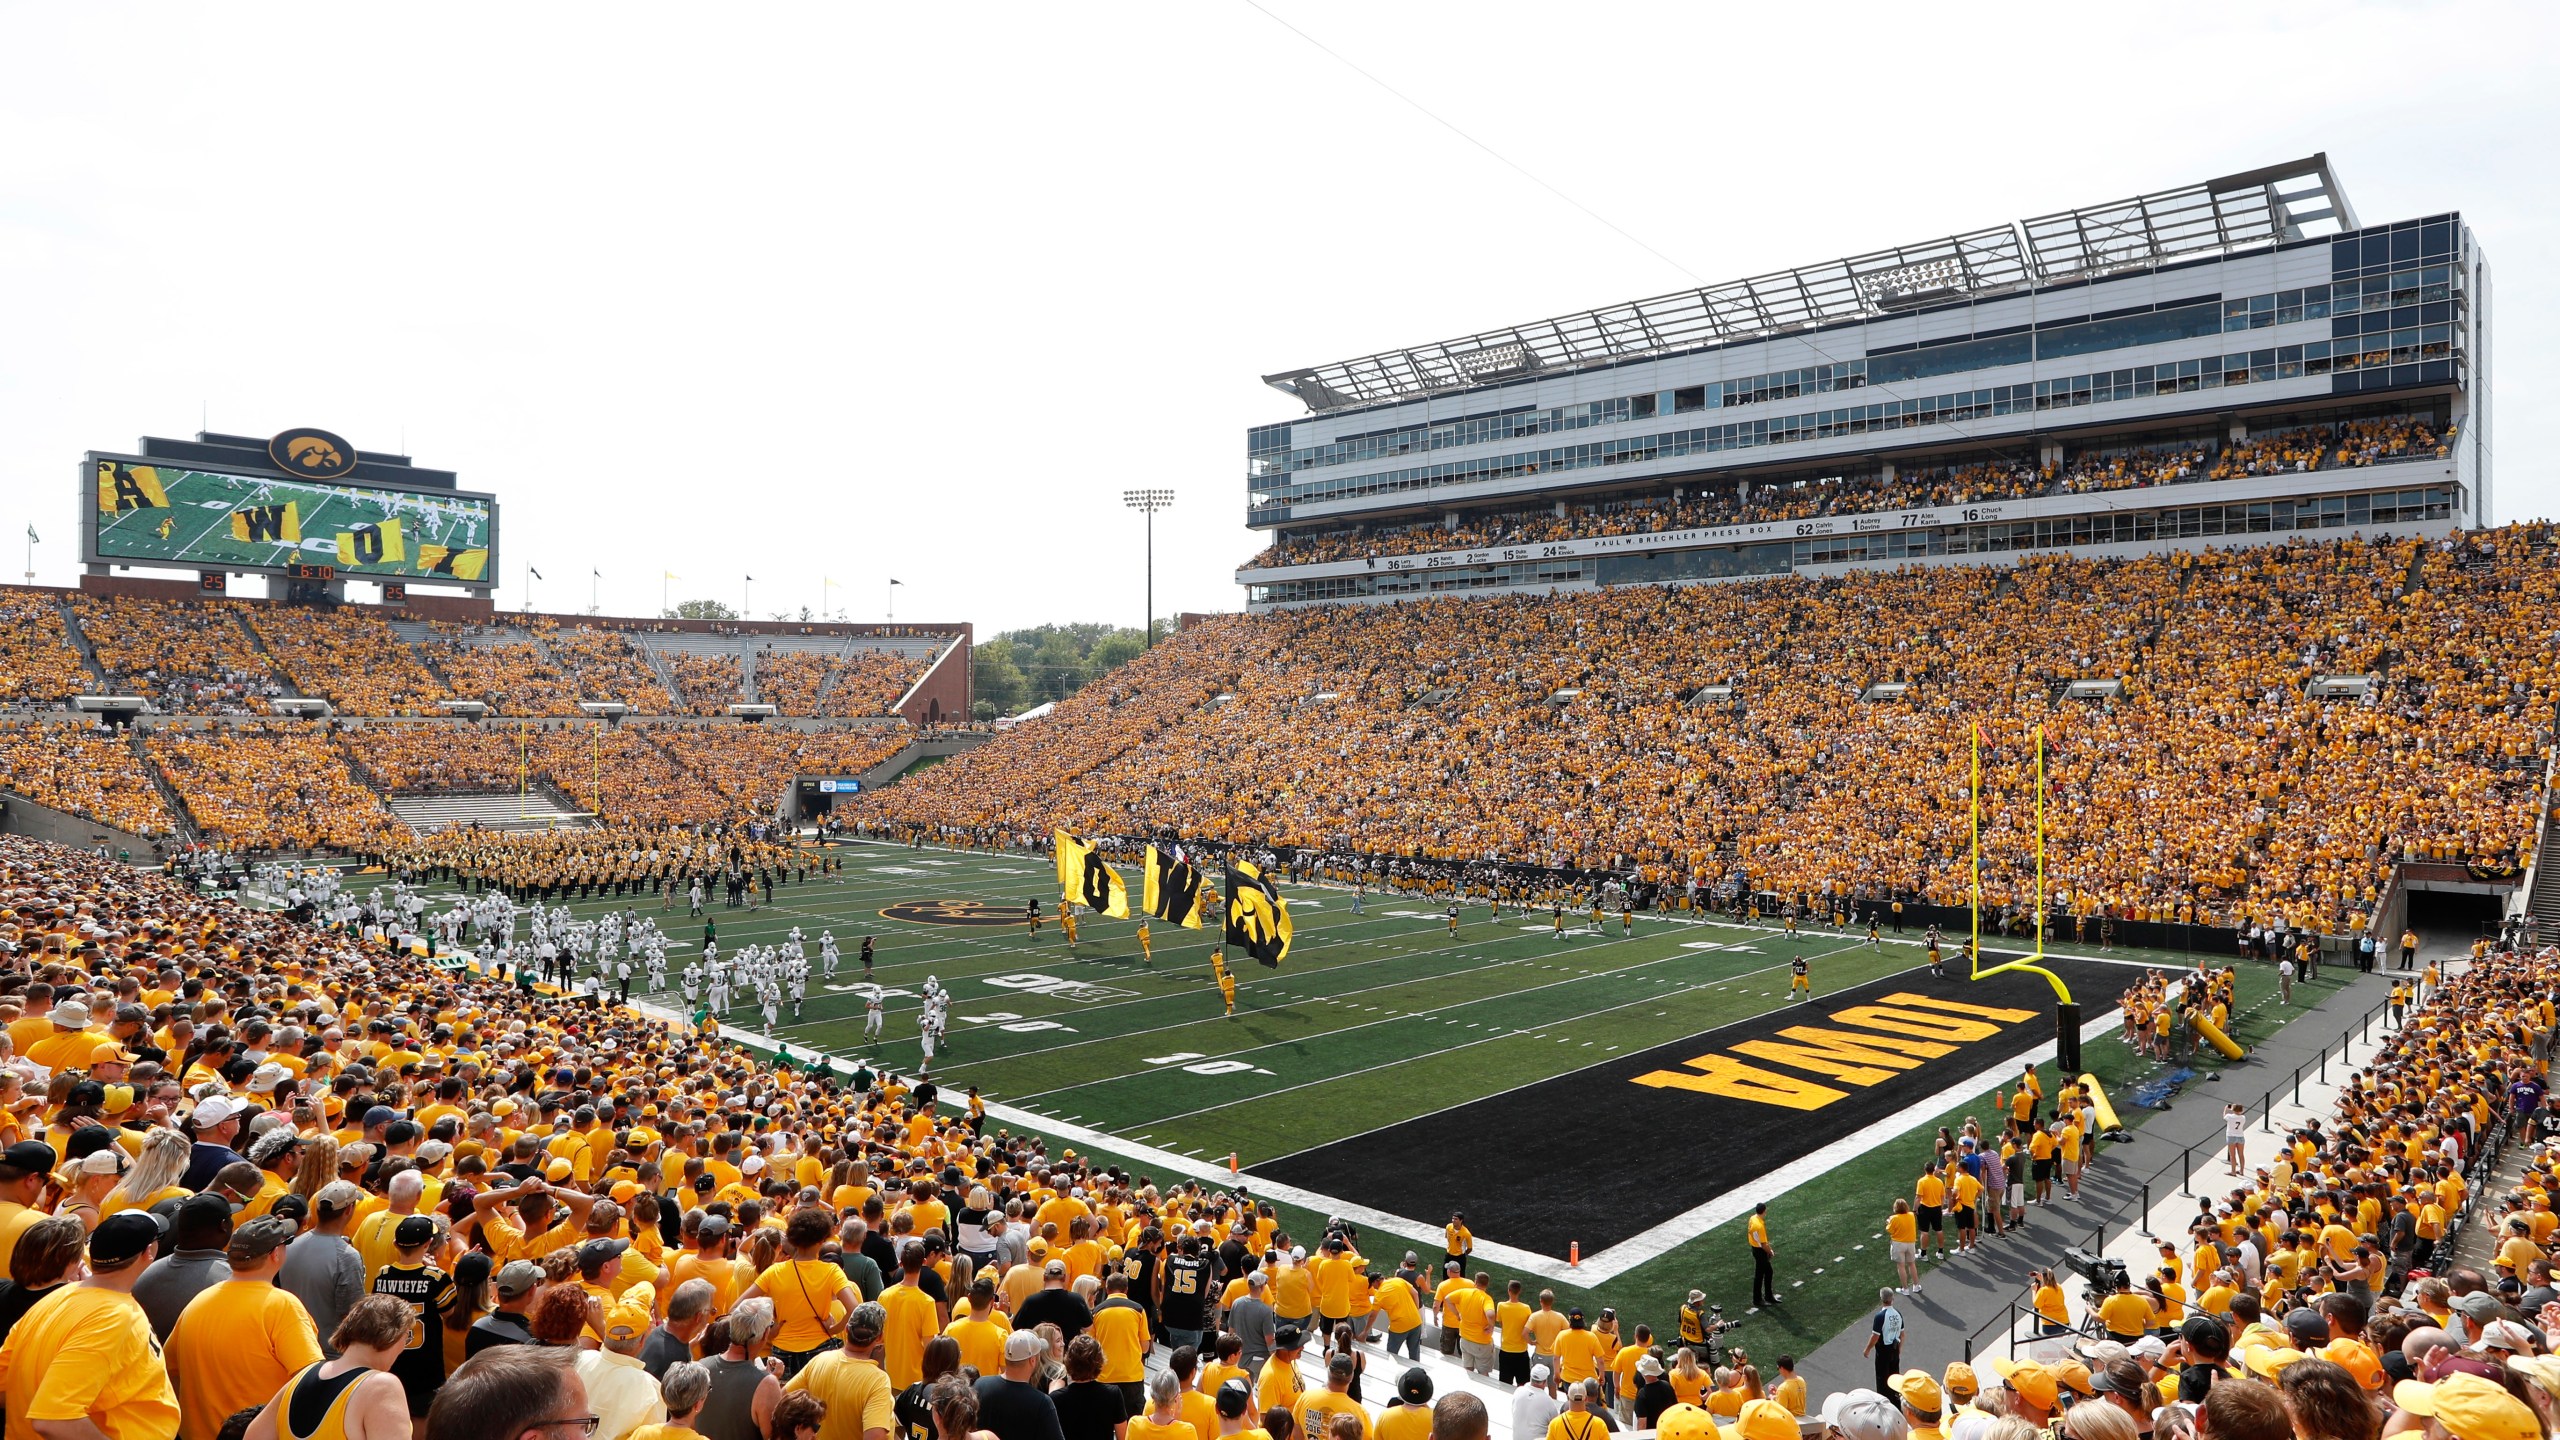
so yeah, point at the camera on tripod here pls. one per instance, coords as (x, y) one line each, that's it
(2101, 1272)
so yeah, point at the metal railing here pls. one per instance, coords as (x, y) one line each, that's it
(2361, 1033)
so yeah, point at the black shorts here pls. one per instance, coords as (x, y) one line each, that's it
(2044, 1170)
(1965, 1218)
(1511, 1367)
(1930, 1218)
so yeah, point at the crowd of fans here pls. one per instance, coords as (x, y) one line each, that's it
(268, 1174)
(1563, 731)
(349, 657)
(2357, 442)
(708, 684)
(607, 665)
(270, 787)
(512, 676)
(83, 770)
(36, 666)
(188, 658)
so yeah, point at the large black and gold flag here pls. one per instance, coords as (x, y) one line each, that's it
(1084, 879)
(377, 544)
(279, 524)
(129, 487)
(460, 564)
(1172, 890)
(1257, 918)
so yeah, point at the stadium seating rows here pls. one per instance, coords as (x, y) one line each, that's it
(2360, 442)
(2212, 791)
(189, 658)
(85, 771)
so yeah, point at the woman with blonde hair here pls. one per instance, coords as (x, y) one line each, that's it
(319, 1163)
(1687, 1380)
(2098, 1422)
(153, 1176)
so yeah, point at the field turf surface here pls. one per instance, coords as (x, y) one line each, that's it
(1380, 1020)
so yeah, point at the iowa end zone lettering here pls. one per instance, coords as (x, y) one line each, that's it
(1639, 1139)
(1895, 1034)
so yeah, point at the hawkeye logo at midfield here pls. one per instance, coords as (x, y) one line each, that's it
(1896, 1032)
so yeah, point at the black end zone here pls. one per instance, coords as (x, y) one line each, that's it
(1607, 1152)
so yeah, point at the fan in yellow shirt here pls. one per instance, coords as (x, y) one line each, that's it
(85, 1353)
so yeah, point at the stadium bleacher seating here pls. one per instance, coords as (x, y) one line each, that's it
(2211, 791)
(2103, 468)
(188, 658)
(351, 658)
(607, 664)
(37, 664)
(82, 770)
(501, 666)
(270, 787)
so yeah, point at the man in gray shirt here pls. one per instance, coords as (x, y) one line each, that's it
(197, 1263)
(1253, 1320)
(859, 1268)
(671, 1340)
(321, 1267)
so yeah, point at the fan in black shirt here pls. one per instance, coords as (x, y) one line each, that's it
(1055, 1304)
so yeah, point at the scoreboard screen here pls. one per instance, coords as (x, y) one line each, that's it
(145, 512)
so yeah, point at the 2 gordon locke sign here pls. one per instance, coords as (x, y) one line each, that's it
(1717, 535)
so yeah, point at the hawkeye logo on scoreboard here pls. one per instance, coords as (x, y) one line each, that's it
(954, 912)
(1873, 1043)
(311, 453)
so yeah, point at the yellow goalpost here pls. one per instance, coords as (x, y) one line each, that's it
(2066, 1010)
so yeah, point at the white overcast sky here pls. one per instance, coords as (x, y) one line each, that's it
(856, 292)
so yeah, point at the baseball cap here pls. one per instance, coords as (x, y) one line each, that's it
(2357, 1359)
(868, 1320)
(1233, 1397)
(2270, 1360)
(624, 1321)
(1857, 1414)
(2150, 1349)
(1762, 1420)
(1685, 1422)
(1023, 1345)
(1287, 1337)
(2029, 1379)
(258, 1239)
(412, 1231)
(2469, 1407)
(598, 1251)
(1540, 1374)
(1961, 1383)
(2506, 1335)
(123, 1236)
(2479, 1306)
(2074, 1376)
(518, 1276)
(1919, 1389)
(213, 1110)
(29, 1157)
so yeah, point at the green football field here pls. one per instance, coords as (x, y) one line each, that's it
(1376, 1019)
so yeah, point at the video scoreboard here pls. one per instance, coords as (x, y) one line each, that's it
(201, 515)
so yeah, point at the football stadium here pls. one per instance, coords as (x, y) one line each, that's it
(1998, 890)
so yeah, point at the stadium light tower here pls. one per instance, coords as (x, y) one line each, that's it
(1147, 503)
